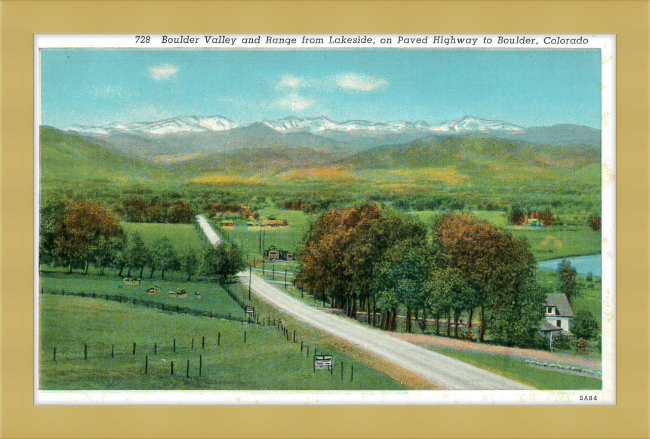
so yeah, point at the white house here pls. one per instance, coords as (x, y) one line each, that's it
(559, 314)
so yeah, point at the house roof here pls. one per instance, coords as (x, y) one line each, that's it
(560, 301)
(549, 327)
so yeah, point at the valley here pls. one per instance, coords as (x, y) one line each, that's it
(264, 186)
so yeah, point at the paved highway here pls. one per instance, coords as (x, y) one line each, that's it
(444, 371)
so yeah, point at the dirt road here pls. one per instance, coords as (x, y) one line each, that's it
(444, 371)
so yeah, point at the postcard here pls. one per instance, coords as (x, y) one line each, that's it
(325, 219)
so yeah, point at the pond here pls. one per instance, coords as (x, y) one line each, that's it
(582, 264)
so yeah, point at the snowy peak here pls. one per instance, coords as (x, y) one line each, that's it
(293, 124)
(322, 124)
(470, 123)
(177, 125)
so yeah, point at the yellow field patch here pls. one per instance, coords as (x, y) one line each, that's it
(441, 175)
(226, 179)
(551, 239)
(327, 173)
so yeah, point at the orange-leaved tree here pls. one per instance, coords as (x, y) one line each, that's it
(492, 263)
(85, 229)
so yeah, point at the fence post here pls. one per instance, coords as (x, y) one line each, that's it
(308, 351)
(55, 355)
(244, 336)
(294, 335)
(188, 369)
(352, 373)
(146, 363)
(133, 348)
(172, 368)
(300, 345)
(203, 342)
(192, 342)
(219, 339)
(174, 345)
(85, 351)
(341, 370)
(155, 348)
(113, 351)
(200, 364)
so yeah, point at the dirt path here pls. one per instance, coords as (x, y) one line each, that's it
(518, 353)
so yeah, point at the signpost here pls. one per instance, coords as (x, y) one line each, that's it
(323, 362)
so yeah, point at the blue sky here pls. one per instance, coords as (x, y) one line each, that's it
(524, 87)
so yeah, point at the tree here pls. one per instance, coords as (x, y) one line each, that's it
(189, 263)
(454, 294)
(223, 262)
(594, 223)
(136, 254)
(517, 322)
(164, 256)
(332, 253)
(51, 214)
(80, 231)
(234, 262)
(585, 325)
(180, 212)
(547, 218)
(517, 217)
(401, 278)
(568, 278)
(491, 261)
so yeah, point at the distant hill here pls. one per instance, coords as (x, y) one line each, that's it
(192, 146)
(68, 157)
(563, 135)
(470, 152)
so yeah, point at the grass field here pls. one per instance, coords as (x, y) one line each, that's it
(520, 371)
(182, 236)
(213, 297)
(265, 361)
(288, 238)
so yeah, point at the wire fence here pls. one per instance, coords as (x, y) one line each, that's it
(158, 305)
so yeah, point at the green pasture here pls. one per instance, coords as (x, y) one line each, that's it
(520, 371)
(265, 361)
(182, 236)
(213, 297)
(288, 238)
(559, 241)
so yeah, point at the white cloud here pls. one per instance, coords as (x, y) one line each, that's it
(108, 91)
(295, 102)
(290, 81)
(359, 82)
(163, 71)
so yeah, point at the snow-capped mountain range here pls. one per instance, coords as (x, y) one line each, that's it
(318, 125)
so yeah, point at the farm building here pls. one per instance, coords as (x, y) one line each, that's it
(273, 254)
(534, 222)
(227, 224)
(277, 223)
(559, 314)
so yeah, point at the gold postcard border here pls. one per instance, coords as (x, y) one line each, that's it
(21, 20)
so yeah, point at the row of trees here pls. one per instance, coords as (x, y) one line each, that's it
(141, 210)
(77, 234)
(379, 261)
(519, 217)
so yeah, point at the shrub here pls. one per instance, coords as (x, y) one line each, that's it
(562, 342)
(585, 325)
